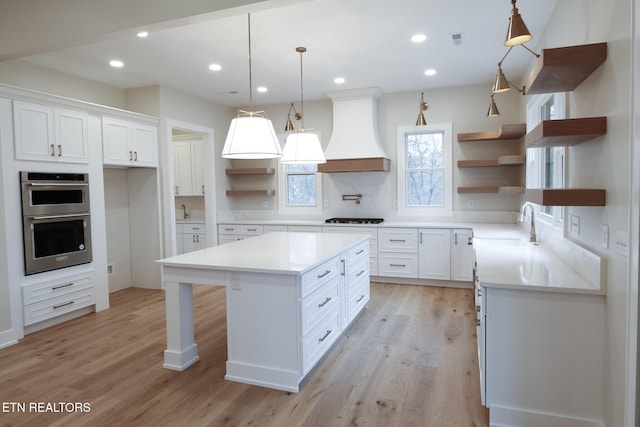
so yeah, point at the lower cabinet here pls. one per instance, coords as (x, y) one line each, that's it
(47, 299)
(434, 253)
(191, 237)
(232, 232)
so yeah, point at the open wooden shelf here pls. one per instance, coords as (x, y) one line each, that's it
(514, 131)
(249, 193)
(558, 133)
(507, 160)
(505, 189)
(563, 69)
(566, 196)
(250, 171)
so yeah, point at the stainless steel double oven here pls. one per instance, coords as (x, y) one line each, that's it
(56, 220)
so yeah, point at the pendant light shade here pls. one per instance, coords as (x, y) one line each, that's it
(501, 84)
(423, 107)
(302, 147)
(493, 109)
(251, 135)
(517, 32)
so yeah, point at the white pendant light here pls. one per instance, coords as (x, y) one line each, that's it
(302, 147)
(251, 135)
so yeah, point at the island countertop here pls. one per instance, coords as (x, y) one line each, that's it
(277, 252)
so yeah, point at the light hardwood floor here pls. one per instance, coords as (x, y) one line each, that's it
(409, 360)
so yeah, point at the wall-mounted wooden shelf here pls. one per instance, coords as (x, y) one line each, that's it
(506, 189)
(566, 196)
(558, 133)
(250, 171)
(565, 68)
(250, 193)
(507, 160)
(514, 131)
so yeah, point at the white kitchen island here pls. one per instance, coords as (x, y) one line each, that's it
(289, 297)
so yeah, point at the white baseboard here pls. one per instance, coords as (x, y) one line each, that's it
(8, 337)
(511, 417)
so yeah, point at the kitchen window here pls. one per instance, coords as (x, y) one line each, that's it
(546, 165)
(300, 188)
(424, 169)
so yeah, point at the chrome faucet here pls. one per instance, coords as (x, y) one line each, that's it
(185, 215)
(532, 233)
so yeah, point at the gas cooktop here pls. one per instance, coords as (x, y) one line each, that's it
(354, 221)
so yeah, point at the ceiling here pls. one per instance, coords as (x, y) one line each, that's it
(365, 41)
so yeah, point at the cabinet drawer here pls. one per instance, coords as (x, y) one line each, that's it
(305, 228)
(228, 238)
(228, 229)
(319, 303)
(44, 310)
(315, 278)
(358, 253)
(50, 289)
(271, 228)
(251, 229)
(358, 271)
(398, 265)
(357, 298)
(398, 240)
(197, 228)
(319, 339)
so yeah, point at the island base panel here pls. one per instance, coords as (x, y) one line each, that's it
(263, 376)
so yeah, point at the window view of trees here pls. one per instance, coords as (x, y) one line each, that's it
(301, 185)
(425, 169)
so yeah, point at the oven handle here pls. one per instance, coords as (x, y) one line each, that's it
(57, 184)
(37, 218)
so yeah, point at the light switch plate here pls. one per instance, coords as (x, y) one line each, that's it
(574, 227)
(605, 236)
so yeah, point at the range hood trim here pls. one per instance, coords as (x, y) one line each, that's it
(366, 164)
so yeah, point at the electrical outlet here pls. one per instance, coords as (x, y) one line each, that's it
(265, 203)
(622, 243)
(471, 204)
(605, 236)
(325, 204)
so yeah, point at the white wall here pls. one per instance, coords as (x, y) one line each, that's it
(603, 162)
(116, 195)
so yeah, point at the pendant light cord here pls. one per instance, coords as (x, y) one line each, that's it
(301, 50)
(250, 80)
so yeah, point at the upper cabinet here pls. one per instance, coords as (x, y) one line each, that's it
(129, 144)
(563, 69)
(187, 162)
(46, 133)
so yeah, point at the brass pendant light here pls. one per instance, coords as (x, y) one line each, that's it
(517, 32)
(289, 126)
(493, 109)
(423, 107)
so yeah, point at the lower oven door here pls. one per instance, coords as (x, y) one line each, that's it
(56, 241)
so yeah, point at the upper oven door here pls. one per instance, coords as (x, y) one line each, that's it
(51, 193)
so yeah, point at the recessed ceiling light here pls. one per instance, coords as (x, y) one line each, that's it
(215, 67)
(143, 34)
(262, 89)
(339, 80)
(116, 63)
(418, 38)
(430, 72)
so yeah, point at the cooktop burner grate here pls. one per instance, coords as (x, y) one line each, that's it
(354, 221)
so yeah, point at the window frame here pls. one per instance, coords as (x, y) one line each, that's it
(402, 203)
(283, 206)
(537, 157)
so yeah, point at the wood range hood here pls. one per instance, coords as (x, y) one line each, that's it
(354, 145)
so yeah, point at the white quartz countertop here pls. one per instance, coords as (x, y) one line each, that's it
(278, 252)
(511, 261)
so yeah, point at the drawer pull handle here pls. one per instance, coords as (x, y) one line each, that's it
(59, 150)
(320, 276)
(325, 302)
(55, 288)
(360, 274)
(397, 240)
(130, 156)
(135, 156)
(360, 299)
(478, 322)
(63, 305)
(53, 150)
(252, 229)
(398, 265)
(228, 229)
(360, 251)
(325, 336)
(477, 309)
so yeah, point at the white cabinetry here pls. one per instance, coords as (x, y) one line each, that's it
(47, 299)
(398, 252)
(462, 256)
(129, 144)
(188, 157)
(50, 134)
(434, 253)
(373, 241)
(191, 237)
(232, 232)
